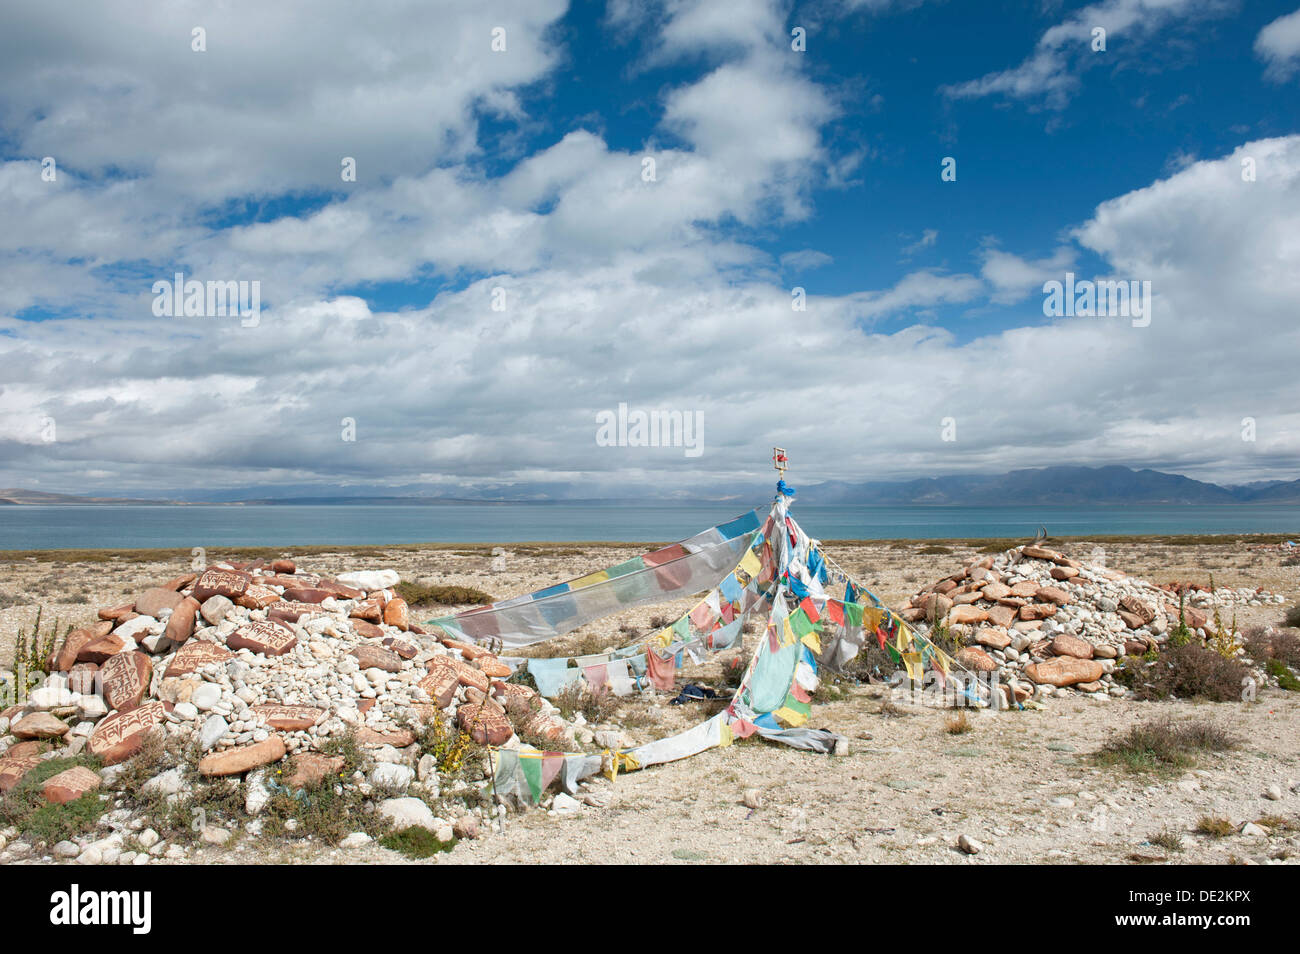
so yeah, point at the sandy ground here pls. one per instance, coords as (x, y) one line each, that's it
(1021, 783)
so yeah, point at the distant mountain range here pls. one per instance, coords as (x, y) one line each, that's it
(1112, 485)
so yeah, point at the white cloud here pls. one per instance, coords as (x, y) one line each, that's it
(1278, 45)
(1051, 72)
(1014, 278)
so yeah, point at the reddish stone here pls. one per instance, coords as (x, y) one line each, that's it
(540, 725)
(515, 697)
(467, 674)
(155, 601)
(288, 718)
(70, 785)
(400, 646)
(266, 636)
(417, 630)
(967, 614)
(398, 738)
(1130, 620)
(39, 725)
(1065, 671)
(102, 650)
(14, 767)
(284, 566)
(1135, 647)
(993, 638)
(397, 613)
(976, 659)
(441, 682)
(1025, 589)
(181, 625)
(115, 614)
(76, 641)
(195, 654)
(258, 596)
(231, 584)
(1053, 594)
(365, 705)
(1063, 572)
(180, 582)
(242, 758)
(309, 769)
(340, 590)
(1042, 553)
(307, 594)
(371, 656)
(1032, 611)
(1144, 611)
(946, 587)
(1067, 645)
(125, 680)
(468, 650)
(368, 630)
(485, 723)
(119, 735)
(371, 610)
(29, 747)
(1002, 616)
(492, 667)
(292, 611)
(995, 591)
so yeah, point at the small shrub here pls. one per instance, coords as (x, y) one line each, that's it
(1292, 617)
(1286, 679)
(24, 806)
(1190, 672)
(596, 707)
(421, 594)
(935, 549)
(1163, 745)
(1215, 826)
(416, 842)
(1168, 838)
(958, 723)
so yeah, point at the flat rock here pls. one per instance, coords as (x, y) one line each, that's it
(243, 758)
(309, 769)
(1002, 616)
(993, 638)
(408, 812)
(371, 656)
(1037, 611)
(125, 680)
(1067, 645)
(406, 650)
(180, 626)
(153, 602)
(288, 718)
(967, 614)
(1064, 671)
(397, 614)
(119, 735)
(195, 654)
(232, 584)
(39, 725)
(290, 611)
(76, 641)
(14, 767)
(70, 785)
(976, 659)
(397, 738)
(441, 682)
(485, 723)
(265, 636)
(103, 649)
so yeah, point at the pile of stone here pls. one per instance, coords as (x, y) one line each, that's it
(254, 662)
(1046, 623)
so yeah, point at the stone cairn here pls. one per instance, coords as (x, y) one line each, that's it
(1046, 623)
(254, 662)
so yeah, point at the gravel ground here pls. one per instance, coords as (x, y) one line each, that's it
(1020, 783)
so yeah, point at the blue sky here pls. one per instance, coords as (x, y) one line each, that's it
(518, 170)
